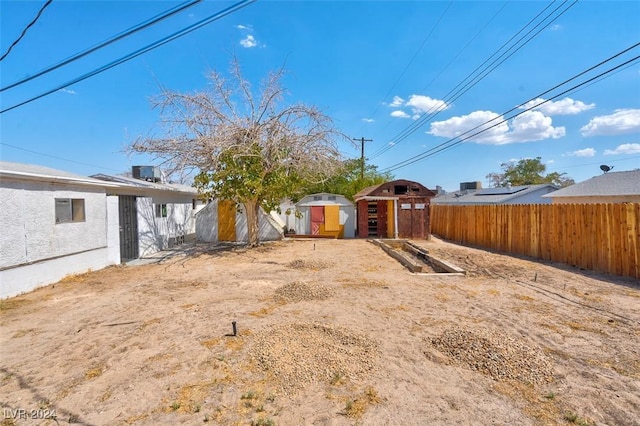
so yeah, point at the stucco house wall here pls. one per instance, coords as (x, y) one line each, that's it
(34, 249)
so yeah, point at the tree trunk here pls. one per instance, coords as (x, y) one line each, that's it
(251, 208)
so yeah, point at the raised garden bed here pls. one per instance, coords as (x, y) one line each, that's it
(417, 259)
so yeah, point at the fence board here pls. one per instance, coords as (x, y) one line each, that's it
(599, 237)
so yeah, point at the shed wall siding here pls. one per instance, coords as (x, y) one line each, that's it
(207, 223)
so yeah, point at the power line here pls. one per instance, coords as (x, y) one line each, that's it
(452, 142)
(428, 36)
(141, 51)
(57, 158)
(383, 149)
(24, 31)
(449, 97)
(433, 151)
(120, 36)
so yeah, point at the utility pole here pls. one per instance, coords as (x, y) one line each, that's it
(362, 141)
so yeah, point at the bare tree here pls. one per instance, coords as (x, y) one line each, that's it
(247, 148)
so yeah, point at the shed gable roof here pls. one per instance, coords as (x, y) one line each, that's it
(388, 190)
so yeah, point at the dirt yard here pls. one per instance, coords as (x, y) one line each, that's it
(329, 332)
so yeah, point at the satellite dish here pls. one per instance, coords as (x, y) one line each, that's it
(605, 168)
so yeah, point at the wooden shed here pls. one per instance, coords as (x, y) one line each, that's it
(396, 209)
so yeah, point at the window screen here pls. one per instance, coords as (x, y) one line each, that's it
(161, 210)
(69, 210)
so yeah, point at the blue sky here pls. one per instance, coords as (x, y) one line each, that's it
(380, 69)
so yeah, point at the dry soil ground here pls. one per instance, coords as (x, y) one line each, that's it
(329, 333)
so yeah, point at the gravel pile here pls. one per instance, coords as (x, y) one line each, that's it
(307, 264)
(299, 291)
(301, 354)
(496, 354)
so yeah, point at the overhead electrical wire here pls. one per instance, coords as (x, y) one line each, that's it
(449, 98)
(459, 139)
(24, 31)
(452, 142)
(149, 22)
(458, 91)
(56, 157)
(149, 47)
(443, 69)
(428, 36)
(426, 115)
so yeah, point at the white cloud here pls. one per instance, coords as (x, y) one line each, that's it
(566, 106)
(587, 152)
(556, 27)
(622, 121)
(69, 91)
(420, 103)
(249, 41)
(368, 120)
(399, 114)
(625, 148)
(529, 126)
(391, 143)
(550, 162)
(397, 101)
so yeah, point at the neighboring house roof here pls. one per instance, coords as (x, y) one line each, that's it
(388, 191)
(34, 172)
(607, 184)
(133, 182)
(490, 195)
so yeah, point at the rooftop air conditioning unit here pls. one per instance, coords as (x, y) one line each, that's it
(147, 173)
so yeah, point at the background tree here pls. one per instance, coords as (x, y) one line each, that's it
(528, 171)
(348, 181)
(246, 147)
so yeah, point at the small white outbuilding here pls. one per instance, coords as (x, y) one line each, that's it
(324, 215)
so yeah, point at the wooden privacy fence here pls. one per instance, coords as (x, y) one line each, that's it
(597, 237)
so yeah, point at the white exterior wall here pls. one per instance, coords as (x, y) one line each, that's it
(348, 219)
(268, 228)
(303, 221)
(207, 223)
(113, 229)
(158, 233)
(34, 250)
